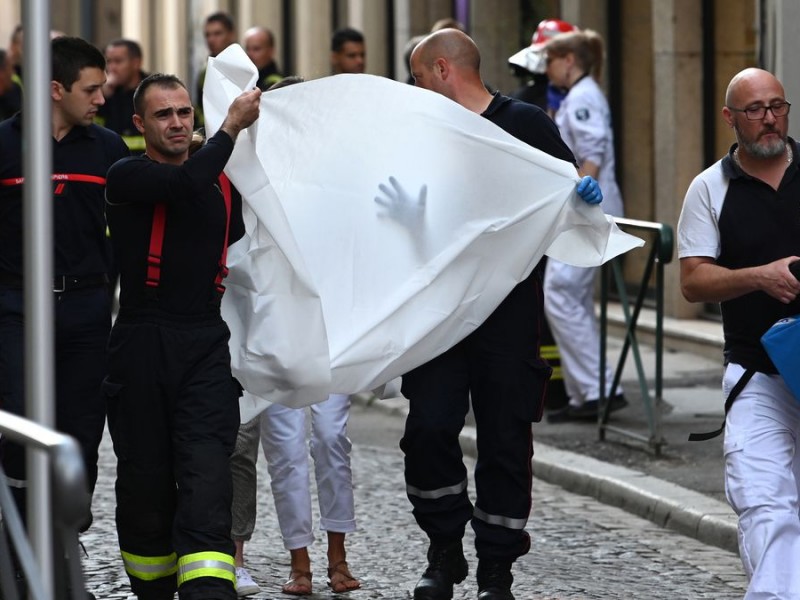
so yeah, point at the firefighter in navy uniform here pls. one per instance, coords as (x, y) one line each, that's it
(124, 61)
(497, 368)
(82, 154)
(172, 401)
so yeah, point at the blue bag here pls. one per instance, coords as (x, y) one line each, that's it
(782, 343)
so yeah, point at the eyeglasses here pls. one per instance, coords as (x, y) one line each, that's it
(756, 113)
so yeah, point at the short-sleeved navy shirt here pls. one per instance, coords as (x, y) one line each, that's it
(81, 160)
(529, 124)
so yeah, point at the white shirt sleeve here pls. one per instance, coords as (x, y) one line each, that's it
(698, 225)
(585, 118)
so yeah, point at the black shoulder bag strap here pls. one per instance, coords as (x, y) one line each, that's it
(737, 389)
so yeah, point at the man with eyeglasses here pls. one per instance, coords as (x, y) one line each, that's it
(738, 233)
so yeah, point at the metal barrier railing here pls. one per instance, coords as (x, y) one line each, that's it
(660, 254)
(70, 504)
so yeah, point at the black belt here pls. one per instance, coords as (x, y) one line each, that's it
(61, 283)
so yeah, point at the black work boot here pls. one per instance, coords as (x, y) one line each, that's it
(494, 580)
(446, 566)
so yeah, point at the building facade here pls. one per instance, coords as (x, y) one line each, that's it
(668, 62)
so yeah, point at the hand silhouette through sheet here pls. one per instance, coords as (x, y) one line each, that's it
(401, 206)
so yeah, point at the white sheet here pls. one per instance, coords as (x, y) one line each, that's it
(384, 224)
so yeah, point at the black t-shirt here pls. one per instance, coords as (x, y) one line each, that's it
(117, 113)
(194, 231)
(529, 124)
(81, 160)
(757, 225)
(10, 102)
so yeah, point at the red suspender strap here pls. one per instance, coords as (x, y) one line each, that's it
(156, 245)
(157, 240)
(222, 273)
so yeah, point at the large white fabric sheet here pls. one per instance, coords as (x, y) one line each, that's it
(384, 224)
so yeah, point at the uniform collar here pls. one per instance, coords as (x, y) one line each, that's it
(497, 101)
(79, 131)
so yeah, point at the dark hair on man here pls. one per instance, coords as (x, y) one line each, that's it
(162, 80)
(133, 48)
(70, 55)
(286, 81)
(221, 17)
(342, 36)
(3, 58)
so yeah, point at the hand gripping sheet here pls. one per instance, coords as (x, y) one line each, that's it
(384, 224)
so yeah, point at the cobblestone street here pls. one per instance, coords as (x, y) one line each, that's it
(581, 548)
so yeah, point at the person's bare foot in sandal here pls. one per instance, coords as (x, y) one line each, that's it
(339, 577)
(299, 583)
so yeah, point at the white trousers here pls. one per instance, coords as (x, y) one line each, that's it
(283, 437)
(762, 482)
(569, 306)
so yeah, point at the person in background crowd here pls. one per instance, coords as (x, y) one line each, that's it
(348, 52)
(15, 52)
(407, 50)
(738, 233)
(259, 44)
(448, 23)
(497, 367)
(124, 70)
(574, 62)
(173, 408)
(82, 154)
(10, 90)
(219, 31)
(530, 65)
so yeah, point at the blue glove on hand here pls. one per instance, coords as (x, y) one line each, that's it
(589, 190)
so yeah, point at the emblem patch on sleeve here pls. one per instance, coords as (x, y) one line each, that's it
(582, 114)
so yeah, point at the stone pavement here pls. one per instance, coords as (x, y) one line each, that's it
(682, 487)
(581, 548)
(584, 546)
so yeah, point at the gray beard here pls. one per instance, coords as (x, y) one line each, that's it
(764, 151)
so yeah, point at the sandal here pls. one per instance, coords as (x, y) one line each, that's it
(340, 579)
(299, 584)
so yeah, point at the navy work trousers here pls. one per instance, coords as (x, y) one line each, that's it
(173, 414)
(499, 368)
(82, 324)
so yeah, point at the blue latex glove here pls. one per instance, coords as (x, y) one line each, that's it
(589, 190)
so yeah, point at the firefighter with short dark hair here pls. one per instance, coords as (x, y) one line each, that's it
(124, 67)
(172, 401)
(82, 154)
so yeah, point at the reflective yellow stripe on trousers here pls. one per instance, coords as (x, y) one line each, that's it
(149, 568)
(206, 564)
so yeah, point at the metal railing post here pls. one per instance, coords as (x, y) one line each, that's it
(660, 254)
(38, 270)
(69, 507)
